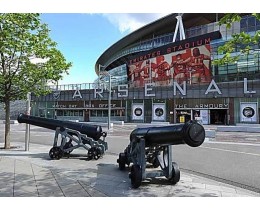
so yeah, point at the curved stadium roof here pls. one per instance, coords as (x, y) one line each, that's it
(159, 27)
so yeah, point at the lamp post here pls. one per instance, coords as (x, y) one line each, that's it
(110, 77)
(33, 60)
(109, 93)
(27, 126)
(109, 103)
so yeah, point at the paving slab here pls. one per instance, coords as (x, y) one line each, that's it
(33, 174)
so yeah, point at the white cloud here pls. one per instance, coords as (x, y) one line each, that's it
(128, 22)
(39, 60)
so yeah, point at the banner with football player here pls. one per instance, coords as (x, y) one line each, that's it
(187, 60)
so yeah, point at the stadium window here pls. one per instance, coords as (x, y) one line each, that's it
(66, 113)
(205, 28)
(99, 113)
(112, 113)
(93, 113)
(251, 24)
(222, 69)
(80, 113)
(76, 113)
(105, 113)
(257, 25)
(210, 28)
(59, 112)
(232, 69)
(117, 112)
(243, 24)
(198, 31)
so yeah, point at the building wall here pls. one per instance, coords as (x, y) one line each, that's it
(16, 108)
(221, 102)
(171, 102)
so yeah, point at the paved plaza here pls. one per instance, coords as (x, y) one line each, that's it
(33, 174)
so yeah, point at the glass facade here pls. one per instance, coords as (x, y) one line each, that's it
(104, 113)
(71, 113)
(224, 108)
(118, 77)
(246, 65)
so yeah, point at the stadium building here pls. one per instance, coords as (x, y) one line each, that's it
(163, 72)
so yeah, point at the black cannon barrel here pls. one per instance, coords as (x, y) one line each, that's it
(191, 133)
(93, 131)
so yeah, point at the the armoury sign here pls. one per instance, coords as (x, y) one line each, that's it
(149, 90)
(202, 106)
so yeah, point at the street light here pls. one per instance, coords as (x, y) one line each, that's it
(27, 126)
(110, 77)
(33, 60)
(109, 103)
(109, 97)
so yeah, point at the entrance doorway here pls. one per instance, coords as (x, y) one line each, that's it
(218, 116)
(183, 116)
(86, 115)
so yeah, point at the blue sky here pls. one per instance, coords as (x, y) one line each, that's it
(84, 29)
(82, 38)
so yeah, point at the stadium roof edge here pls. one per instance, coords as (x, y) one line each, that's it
(160, 26)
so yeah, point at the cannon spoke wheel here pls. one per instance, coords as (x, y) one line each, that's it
(121, 161)
(136, 176)
(94, 153)
(56, 153)
(175, 174)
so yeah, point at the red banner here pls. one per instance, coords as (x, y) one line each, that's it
(187, 60)
(190, 65)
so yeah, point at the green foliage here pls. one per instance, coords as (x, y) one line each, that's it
(240, 44)
(23, 40)
(229, 18)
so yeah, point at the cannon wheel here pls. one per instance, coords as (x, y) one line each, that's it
(55, 153)
(94, 152)
(136, 176)
(175, 174)
(121, 161)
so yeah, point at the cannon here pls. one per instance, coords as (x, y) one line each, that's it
(72, 135)
(153, 145)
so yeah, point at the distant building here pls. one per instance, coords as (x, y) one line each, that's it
(16, 107)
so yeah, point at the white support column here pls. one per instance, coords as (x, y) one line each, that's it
(179, 26)
(182, 33)
(176, 30)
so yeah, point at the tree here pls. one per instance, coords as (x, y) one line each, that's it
(240, 43)
(23, 40)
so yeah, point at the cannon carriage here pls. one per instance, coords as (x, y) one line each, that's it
(71, 135)
(153, 146)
